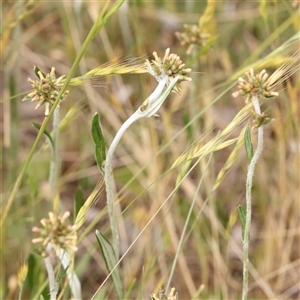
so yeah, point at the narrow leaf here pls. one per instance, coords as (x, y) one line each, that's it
(26, 98)
(99, 141)
(36, 70)
(79, 201)
(110, 262)
(32, 271)
(42, 297)
(63, 274)
(248, 144)
(242, 215)
(48, 135)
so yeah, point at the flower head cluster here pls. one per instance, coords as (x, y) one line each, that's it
(171, 66)
(46, 89)
(57, 233)
(192, 37)
(162, 296)
(258, 85)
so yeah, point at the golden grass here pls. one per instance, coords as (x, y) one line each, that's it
(156, 155)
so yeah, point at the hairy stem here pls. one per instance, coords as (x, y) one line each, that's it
(54, 160)
(53, 288)
(108, 178)
(249, 182)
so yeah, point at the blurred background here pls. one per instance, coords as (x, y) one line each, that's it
(234, 36)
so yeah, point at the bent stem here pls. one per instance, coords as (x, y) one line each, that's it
(148, 109)
(108, 178)
(249, 182)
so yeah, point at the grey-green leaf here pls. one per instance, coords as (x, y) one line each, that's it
(79, 201)
(48, 135)
(110, 262)
(99, 141)
(242, 214)
(248, 144)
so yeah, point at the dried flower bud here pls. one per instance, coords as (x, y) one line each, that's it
(255, 85)
(192, 37)
(162, 296)
(57, 233)
(171, 65)
(46, 89)
(260, 120)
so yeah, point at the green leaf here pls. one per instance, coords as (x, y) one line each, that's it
(32, 271)
(189, 128)
(79, 201)
(42, 297)
(99, 141)
(36, 70)
(48, 135)
(110, 262)
(26, 98)
(248, 144)
(63, 274)
(242, 214)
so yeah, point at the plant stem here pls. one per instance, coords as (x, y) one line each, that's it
(249, 182)
(108, 178)
(155, 100)
(53, 288)
(54, 160)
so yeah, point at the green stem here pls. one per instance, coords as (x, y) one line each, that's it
(100, 22)
(249, 182)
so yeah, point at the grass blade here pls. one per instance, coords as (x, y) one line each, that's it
(110, 262)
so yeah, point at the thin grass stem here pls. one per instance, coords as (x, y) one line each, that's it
(185, 227)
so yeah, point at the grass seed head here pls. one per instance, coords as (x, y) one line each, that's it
(22, 274)
(46, 89)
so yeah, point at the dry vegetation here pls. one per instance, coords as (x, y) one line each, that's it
(148, 163)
